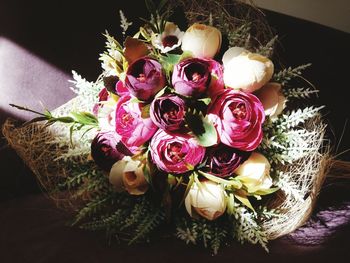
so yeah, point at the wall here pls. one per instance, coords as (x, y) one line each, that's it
(332, 13)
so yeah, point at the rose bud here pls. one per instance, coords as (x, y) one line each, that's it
(170, 39)
(128, 174)
(144, 78)
(130, 125)
(238, 118)
(272, 99)
(246, 71)
(202, 41)
(175, 153)
(168, 112)
(106, 149)
(195, 77)
(254, 173)
(223, 160)
(209, 201)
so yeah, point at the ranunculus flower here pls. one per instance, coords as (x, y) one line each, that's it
(128, 174)
(168, 112)
(202, 41)
(175, 153)
(144, 78)
(272, 99)
(120, 89)
(254, 173)
(208, 201)
(130, 125)
(196, 77)
(106, 149)
(238, 118)
(170, 38)
(245, 70)
(223, 160)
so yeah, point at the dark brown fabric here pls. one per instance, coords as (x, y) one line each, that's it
(42, 41)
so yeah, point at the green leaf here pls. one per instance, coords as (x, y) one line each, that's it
(233, 182)
(145, 111)
(230, 204)
(267, 191)
(203, 130)
(65, 119)
(85, 118)
(188, 188)
(206, 101)
(245, 201)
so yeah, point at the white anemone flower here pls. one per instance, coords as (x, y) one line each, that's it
(170, 39)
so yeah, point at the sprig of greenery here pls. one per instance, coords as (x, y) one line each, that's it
(267, 50)
(285, 75)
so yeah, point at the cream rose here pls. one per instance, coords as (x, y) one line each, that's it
(245, 70)
(127, 174)
(202, 40)
(254, 173)
(209, 201)
(272, 99)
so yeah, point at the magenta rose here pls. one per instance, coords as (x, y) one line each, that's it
(196, 77)
(133, 129)
(175, 153)
(238, 119)
(120, 88)
(223, 160)
(144, 78)
(107, 149)
(168, 112)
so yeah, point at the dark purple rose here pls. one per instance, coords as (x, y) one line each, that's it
(107, 149)
(196, 77)
(168, 112)
(238, 119)
(223, 160)
(144, 78)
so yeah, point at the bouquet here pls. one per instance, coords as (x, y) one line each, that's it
(191, 129)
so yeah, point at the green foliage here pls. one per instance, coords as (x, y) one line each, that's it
(285, 75)
(285, 140)
(203, 130)
(267, 50)
(245, 227)
(299, 93)
(212, 234)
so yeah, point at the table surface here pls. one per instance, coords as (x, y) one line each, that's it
(42, 41)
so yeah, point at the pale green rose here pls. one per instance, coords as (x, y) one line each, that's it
(207, 200)
(202, 41)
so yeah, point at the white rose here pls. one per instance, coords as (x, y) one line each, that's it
(254, 173)
(209, 201)
(245, 70)
(202, 40)
(272, 99)
(127, 174)
(170, 39)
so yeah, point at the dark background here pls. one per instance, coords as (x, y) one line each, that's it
(66, 35)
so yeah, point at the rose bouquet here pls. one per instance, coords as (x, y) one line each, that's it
(194, 129)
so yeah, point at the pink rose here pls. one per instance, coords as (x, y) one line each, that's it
(175, 153)
(133, 129)
(238, 119)
(196, 77)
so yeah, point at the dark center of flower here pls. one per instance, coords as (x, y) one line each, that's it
(174, 151)
(141, 77)
(170, 41)
(171, 114)
(223, 157)
(195, 72)
(239, 112)
(127, 118)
